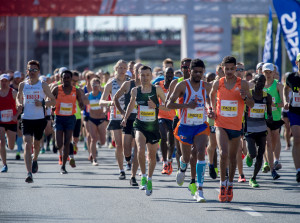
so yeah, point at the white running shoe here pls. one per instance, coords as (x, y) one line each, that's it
(199, 196)
(95, 163)
(180, 177)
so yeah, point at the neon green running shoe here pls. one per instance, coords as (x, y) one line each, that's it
(253, 183)
(193, 188)
(249, 161)
(217, 170)
(143, 184)
(149, 188)
(266, 167)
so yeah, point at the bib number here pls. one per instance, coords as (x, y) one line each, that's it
(229, 108)
(194, 116)
(94, 105)
(31, 96)
(66, 108)
(258, 111)
(115, 113)
(296, 100)
(6, 115)
(146, 114)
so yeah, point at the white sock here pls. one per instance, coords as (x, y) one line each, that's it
(149, 178)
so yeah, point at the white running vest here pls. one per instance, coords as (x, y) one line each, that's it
(114, 112)
(30, 93)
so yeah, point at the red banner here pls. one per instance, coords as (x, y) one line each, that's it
(46, 8)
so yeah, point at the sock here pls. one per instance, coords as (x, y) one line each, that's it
(166, 162)
(223, 183)
(128, 158)
(211, 165)
(183, 165)
(192, 181)
(144, 175)
(71, 156)
(276, 160)
(149, 178)
(170, 160)
(122, 171)
(242, 176)
(200, 169)
(19, 143)
(230, 183)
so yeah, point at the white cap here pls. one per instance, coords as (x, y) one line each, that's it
(43, 78)
(17, 74)
(61, 70)
(129, 73)
(268, 66)
(4, 76)
(259, 65)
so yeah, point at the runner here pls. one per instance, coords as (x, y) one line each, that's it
(65, 109)
(232, 93)
(275, 89)
(192, 128)
(255, 126)
(115, 116)
(30, 97)
(8, 118)
(165, 120)
(146, 124)
(293, 104)
(127, 131)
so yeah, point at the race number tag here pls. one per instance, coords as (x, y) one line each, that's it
(229, 108)
(296, 99)
(146, 114)
(115, 114)
(194, 116)
(135, 109)
(274, 108)
(66, 108)
(94, 104)
(6, 115)
(31, 96)
(258, 111)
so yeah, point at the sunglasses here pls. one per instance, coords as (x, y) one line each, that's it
(33, 70)
(239, 69)
(95, 85)
(184, 67)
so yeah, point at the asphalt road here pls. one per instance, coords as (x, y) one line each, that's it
(95, 194)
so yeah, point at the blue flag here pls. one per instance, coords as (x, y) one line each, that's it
(288, 13)
(277, 52)
(268, 49)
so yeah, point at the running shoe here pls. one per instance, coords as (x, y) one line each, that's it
(275, 175)
(122, 175)
(90, 158)
(72, 163)
(128, 166)
(212, 172)
(35, 166)
(266, 168)
(48, 149)
(193, 189)
(29, 178)
(249, 160)
(85, 146)
(149, 188)
(18, 156)
(199, 196)
(75, 149)
(157, 157)
(253, 183)
(277, 165)
(241, 179)
(143, 183)
(133, 182)
(180, 177)
(165, 169)
(54, 149)
(63, 170)
(222, 194)
(60, 160)
(217, 170)
(98, 145)
(95, 163)
(298, 177)
(229, 193)
(42, 151)
(170, 170)
(4, 169)
(110, 146)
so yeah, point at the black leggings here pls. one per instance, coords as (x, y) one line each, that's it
(259, 140)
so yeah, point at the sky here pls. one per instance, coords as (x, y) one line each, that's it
(133, 22)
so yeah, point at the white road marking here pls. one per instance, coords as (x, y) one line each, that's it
(250, 211)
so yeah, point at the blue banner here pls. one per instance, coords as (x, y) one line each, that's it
(288, 13)
(268, 49)
(277, 51)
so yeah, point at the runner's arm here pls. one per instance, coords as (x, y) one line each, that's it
(19, 98)
(171, 88)
(107, 91)
(179, 92)
(119, 94)
(212, 94)
(245, 94)
(286, 91)
(269, 107)
(80, 99)
(208, 87)
(280, 91)
(160, 93)
(130, 106)
(48, 93)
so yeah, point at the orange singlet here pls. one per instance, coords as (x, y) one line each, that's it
(230, 106)
(165, 114)
(65, 103)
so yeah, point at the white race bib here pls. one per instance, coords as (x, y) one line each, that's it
(194, 116)
(258, 111)
(66, 108)
(32, 95)
(274, 108)
(229, 108)
(6, 115)
(146, 114)
(94, 104)
(135, 109)
(296, 99)
(115, 114)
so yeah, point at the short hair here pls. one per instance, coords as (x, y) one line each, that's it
(168, 60)
(228, 59)
(219, 66)
(257, 76)
(240, 63)
(185, 60)
(76, 73)
(66, 71)
(95, 79)
(88, 74)
(197, 63)
(131, 62)
(34, 62)
(145, 67)
(249, 74)
(118, 63)
(107, 73)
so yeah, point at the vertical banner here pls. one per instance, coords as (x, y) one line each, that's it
(288, 13)
(268, 48)
(277, 51)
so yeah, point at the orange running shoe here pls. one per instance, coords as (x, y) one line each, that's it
(170, 168)
(242, 179)
(222, 195)
(165, 169)
(229, 193)
(68, 158)
(60, 160)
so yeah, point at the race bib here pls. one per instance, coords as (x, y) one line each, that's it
(258, 111)
(66, 108)
(296, 99)
(194, 116)
(31, 96)
(135, 109)
(274, 108)
(146, 114)
(229, 108)
(6, 115)
(115, 114)
(94, 105)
